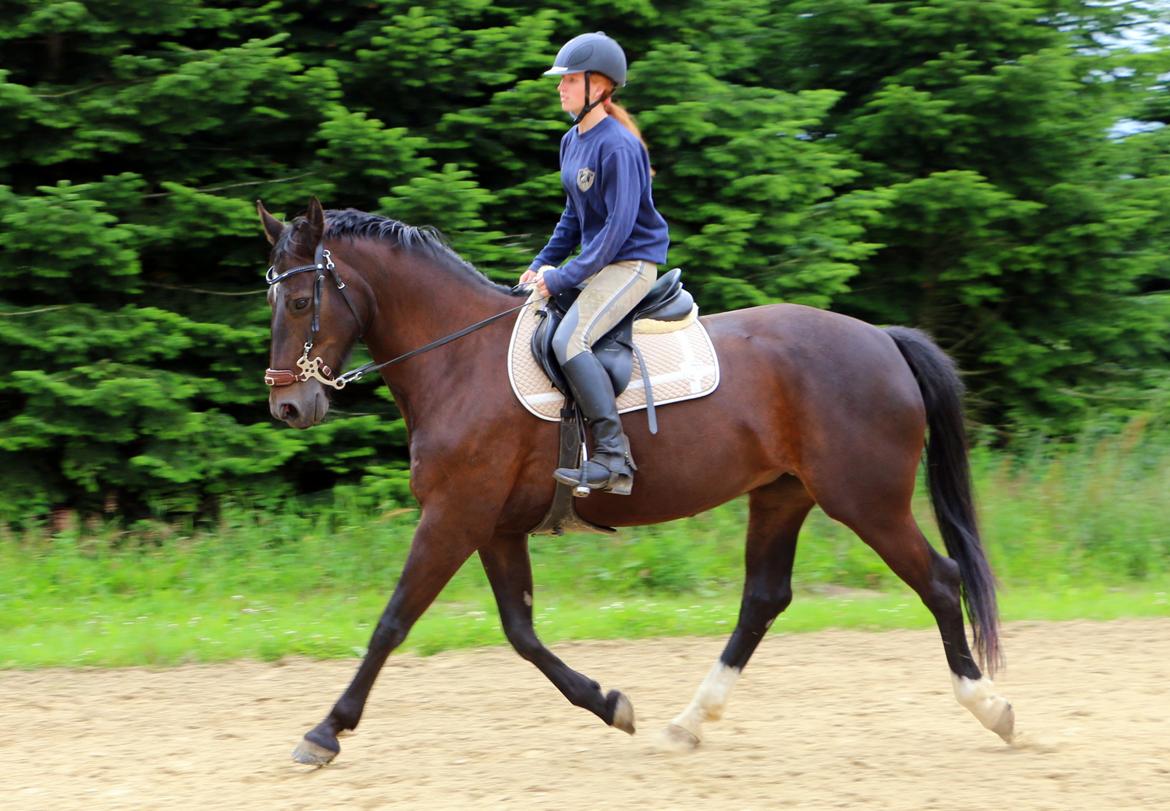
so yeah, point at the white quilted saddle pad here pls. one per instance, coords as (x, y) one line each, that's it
(681, 363)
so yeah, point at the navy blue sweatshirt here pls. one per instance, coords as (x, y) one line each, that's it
(609, 210)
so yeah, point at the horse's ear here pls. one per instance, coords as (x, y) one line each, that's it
(316, 220)
(273, 227)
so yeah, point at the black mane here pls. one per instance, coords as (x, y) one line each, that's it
(353, 224)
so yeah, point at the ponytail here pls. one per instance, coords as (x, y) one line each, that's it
(625, 119)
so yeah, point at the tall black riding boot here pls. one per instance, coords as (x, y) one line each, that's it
(611, 468)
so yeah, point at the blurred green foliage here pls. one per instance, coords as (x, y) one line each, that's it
(956, 165)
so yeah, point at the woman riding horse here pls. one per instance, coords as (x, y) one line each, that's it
(813, 408)
(610, 213)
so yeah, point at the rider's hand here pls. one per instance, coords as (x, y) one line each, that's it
(537, 279)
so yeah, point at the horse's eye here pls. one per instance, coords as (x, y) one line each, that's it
(301, 303)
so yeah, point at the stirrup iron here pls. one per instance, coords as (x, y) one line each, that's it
(581, 489)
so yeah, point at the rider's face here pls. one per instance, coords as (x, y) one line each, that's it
(572, 90)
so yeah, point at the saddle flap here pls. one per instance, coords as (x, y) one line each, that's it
(542, 337)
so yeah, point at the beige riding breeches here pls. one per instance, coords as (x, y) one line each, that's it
(607, 298)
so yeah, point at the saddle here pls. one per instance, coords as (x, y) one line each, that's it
(666, 301)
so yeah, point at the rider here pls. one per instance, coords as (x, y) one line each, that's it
(610, 213)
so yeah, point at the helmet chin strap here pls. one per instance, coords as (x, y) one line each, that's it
(589, 105)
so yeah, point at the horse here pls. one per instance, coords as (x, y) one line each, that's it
(812, 408)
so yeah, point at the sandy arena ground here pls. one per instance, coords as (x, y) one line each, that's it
(827, 720)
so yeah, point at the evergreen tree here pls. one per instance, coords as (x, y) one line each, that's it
(994, 171)
(1015, 233)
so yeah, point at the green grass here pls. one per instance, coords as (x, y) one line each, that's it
(1071, 533)
(168, 631)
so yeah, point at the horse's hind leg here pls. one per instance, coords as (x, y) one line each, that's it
(505, 559)
(777, 511)
(935, 578)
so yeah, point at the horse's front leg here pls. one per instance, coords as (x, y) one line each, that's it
(444, 539)
(505, 559)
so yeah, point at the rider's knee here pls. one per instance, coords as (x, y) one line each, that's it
(565, 347)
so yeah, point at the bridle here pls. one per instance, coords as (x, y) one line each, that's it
(311, 368)
(316, 368)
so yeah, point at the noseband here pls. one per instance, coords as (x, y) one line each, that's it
(311, 368)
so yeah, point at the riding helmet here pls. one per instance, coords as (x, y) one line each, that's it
(595, 52)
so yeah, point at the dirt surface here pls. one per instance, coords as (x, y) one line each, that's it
(826, 720)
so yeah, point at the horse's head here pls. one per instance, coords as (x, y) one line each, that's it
(314, 325)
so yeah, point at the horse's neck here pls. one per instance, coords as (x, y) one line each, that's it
(418, 300)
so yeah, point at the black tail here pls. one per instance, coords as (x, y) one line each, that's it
(948, 475)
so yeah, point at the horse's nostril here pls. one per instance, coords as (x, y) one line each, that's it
(288, 411)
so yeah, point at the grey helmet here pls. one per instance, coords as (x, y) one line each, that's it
(591, 53)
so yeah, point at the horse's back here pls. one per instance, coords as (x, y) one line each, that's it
(816, 351)
(834, 385)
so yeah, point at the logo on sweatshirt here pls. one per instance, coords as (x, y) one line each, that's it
(585, 179)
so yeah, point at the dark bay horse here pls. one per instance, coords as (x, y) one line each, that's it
(812, 408)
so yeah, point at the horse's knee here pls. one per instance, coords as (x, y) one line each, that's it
(785, 598)
(781, 599)
(523, 640)
(760, 607)
(389, 634)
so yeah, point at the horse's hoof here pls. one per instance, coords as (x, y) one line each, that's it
(676, 739)
(317, 748)
(621, 711)
(1005, 727)
(311, 754)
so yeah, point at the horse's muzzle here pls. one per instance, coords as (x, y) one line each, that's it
(301, 405)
